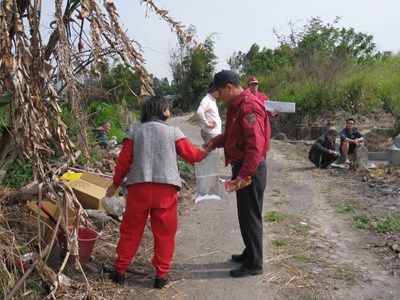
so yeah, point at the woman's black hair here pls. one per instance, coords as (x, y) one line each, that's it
(153, 109)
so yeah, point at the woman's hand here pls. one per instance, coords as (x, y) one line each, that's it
(208, 146)
(111, 190)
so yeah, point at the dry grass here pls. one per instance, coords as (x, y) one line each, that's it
(19, 235)
(300, 266)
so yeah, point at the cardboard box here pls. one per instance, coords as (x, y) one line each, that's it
(47, 226)
(90, 189)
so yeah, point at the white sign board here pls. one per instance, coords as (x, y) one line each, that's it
(280, 107)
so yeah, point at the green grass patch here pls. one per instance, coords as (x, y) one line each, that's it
(359, 216)
(278, 198)
(389, 224)
(279, 242)
(301, 229)
(349, 207)
(303, 258)
(345, 273)
(276, 193)
(362, 221)
(278, 202)
(275, 216)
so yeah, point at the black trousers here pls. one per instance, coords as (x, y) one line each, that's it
(249, 206)
(321, 159)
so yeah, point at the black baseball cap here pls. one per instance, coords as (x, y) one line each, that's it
(211, 87)
(224, 77)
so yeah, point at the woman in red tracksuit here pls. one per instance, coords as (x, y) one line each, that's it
(149, 161)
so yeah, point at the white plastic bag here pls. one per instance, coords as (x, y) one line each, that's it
(207, 178)
(113, 205)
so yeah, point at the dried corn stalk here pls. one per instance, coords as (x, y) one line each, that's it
(27, 66)
(25, 74)
(175, 26)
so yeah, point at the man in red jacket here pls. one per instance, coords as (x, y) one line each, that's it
(252, 84)
(245, 141)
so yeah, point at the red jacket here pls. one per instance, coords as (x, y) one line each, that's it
(246, 138)
(263, 98)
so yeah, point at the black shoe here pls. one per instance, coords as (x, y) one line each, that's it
(244, 271)
(239, 258)
(159, 283)
(117, 277)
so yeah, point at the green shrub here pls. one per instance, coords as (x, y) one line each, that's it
(115, 114)
(18, 174)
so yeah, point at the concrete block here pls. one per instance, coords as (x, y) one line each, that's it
(394, 156)
(378, 155)
(361, 157)
(397, 141)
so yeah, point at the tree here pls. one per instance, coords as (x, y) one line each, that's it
(162, 87)
(257, 61)
(323, 51)
(313, 60)
(192, 69)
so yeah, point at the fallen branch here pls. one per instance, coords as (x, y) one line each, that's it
(288, 282)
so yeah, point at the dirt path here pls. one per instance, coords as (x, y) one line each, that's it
(339, 246)
(310, 251)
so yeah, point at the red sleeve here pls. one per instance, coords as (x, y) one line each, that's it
(219, 140)
(188, 152)
(264, 97)
(124, 162)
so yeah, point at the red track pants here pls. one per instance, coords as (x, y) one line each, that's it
(161, 201)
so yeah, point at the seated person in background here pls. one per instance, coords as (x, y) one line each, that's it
(100, 134)
(323, 151)
(350, 138)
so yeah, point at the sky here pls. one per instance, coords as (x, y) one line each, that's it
(238, 24)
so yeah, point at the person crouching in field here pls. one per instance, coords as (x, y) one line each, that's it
(323, 152)
(149, 160)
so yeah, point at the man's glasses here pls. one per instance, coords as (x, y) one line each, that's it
(350, 123)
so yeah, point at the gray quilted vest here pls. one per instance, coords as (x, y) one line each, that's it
(154, 153)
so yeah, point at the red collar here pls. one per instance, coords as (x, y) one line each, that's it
(245, 94)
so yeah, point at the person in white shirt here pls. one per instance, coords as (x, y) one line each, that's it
(208, 114)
